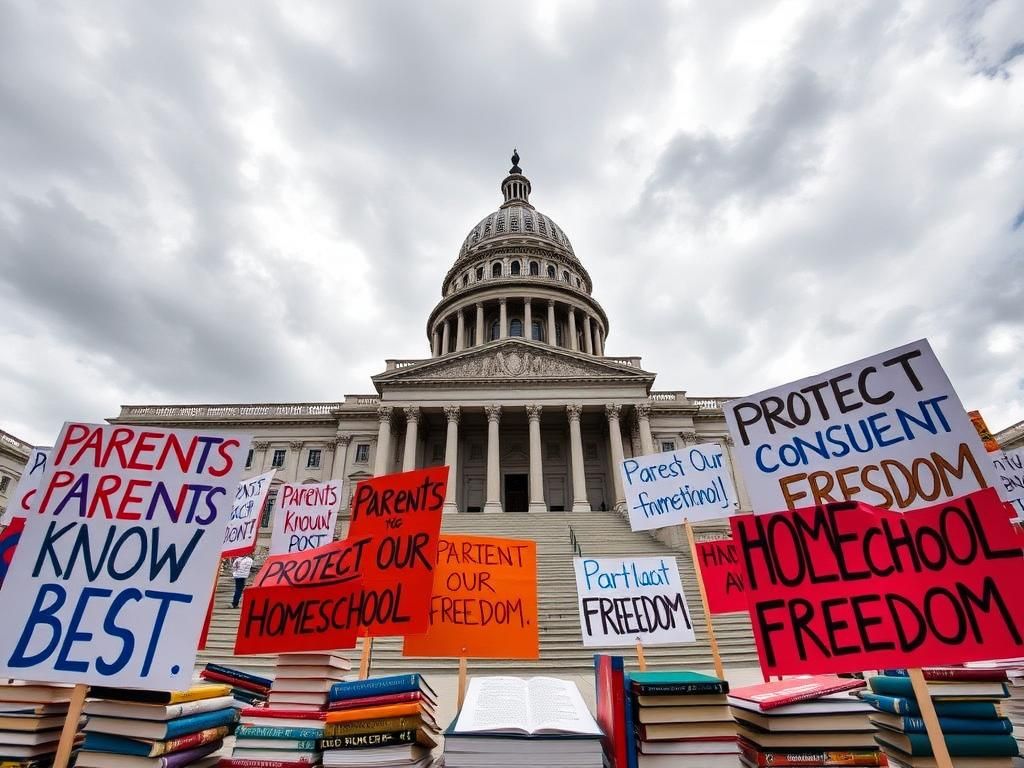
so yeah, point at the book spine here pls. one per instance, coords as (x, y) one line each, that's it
(358, 689)
(857, 759)
(966, 675)
(380, 739)
(263, 682)
(371, 701)
(191, 740)
(359, 727)
(673, 689)
(245, 685)
(269, 732)
(248, 762)
(202, 721)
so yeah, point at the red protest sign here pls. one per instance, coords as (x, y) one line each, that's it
(398, 517)
(9, 538)
(284, 619)
(846, 586)
(722, 575)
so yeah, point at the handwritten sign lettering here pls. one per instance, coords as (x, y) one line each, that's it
(1009, 466)
(243, 527)
(484, 604)
(721, 571)
(304, 516)
(28, 484)
(117, 559)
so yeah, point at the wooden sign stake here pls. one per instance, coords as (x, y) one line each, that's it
(931, 720)
(364, 661)
(640, 660)
(462, 681)
(67, 736)
(712, 640)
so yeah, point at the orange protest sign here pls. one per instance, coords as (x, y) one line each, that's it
(989, 441)
(484, 604)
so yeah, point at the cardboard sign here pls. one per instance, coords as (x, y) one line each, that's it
(888, 430)
(117, 560)
(722, 572)
(691, 483)
(1009, 466)
(285, 620)
(484, 604)
(399, 516)
(28, 484)
(9, 538)
(623, 600)
(243, 527)
(846, 587)
(304, 516)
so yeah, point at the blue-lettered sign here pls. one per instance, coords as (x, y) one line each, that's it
(28, 484)
(117, 560)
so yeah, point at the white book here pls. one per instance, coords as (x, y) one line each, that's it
(534, 706)
(161, 712)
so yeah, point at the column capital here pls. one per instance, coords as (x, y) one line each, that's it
(643, 411)
(343, 439)
(551, 302)
(261, 445)
(329, 447)
(727, 439)
(574, 411)
(384, 414)
(479, 305)
(611, 410)
(452, 413)
(502, 301)
(493, 412)
(689, 437)
(526, 300)
(533, 411)
(295, 445)
(412, 413)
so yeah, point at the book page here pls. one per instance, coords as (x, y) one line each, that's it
(556, 706)
(494, 704)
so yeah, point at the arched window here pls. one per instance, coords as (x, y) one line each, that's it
(515, 328)
(515, 268)
(565, 276)
(534, 268)
(479, 273)
(551, 272)
(495, 330)
(496, 269)
(538, 331)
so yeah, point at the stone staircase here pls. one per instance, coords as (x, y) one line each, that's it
(600, 534)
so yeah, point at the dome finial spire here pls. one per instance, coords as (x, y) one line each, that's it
(515, 162)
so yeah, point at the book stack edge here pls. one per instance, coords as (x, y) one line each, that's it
(31, 720)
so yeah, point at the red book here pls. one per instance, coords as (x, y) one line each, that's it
(778, 693)
(611, 708)
(298, 714)
(243, 762)
(234, 682)
(815, 758)
(373, 701)
(938, 674)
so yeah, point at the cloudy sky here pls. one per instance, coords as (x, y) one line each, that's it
(244, 201)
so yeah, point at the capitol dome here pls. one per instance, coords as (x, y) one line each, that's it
(516, 219)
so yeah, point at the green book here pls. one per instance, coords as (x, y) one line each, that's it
(958, 744)
(676, 683)
(902, 687)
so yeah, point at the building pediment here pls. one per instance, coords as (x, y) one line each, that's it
(513, 361)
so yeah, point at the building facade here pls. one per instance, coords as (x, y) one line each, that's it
(13, 457)
(516, 393)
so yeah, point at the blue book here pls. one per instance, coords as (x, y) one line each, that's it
(897, 685)
(239, 675)
(162, 730)
(273, 732)
(998, 725)
(958, 744)
(382, 686)
(979, 710)
(124, 745)
(631, 747)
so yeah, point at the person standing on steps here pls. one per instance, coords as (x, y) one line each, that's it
(241, 567)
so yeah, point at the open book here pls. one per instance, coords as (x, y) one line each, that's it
(537, 706)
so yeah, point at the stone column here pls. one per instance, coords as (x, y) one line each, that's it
(600, 341)
(615, 438)
(493, 503)
(579, 477)
(341, 443)
(445, 336)
(502, 320)
(573, 343)
(588, 338)
(460, 333)
(295, 447)
(382, 461)
(259, 455)
(537, 503)
(479, 323)
(643, 417)
(412, 420)
(451, 458)
(552, 335)
(435, 346)
(527, 320)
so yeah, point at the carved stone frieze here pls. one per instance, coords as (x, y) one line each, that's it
(515, 364)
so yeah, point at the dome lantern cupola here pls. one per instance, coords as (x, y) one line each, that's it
(516, 187)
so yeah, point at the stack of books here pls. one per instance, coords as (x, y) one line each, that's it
(811, 721)
(288, 730)
(682, 719)
(382, 721)
(1013, 707)
(156, 729)
(968, 703)
(510, 722)
(31, 720)
(249, 690)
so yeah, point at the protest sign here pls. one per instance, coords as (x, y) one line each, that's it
(283, 619)
(116, 562)
(9, 538)
(27, 486)
(691, 483)
(986, 436)
(400, 516)
(1009, 466)
(846, 587)
(243, 527)
(484, 603)
(721, 570)
(305, 516)
(627, 600)
(888, 430)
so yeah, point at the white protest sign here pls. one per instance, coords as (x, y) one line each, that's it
(692, 484)
(304, 516)
(243, 527)
(27, 486)
(116, 564)
(1009, 466)
(623, 600)
(888, 430)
